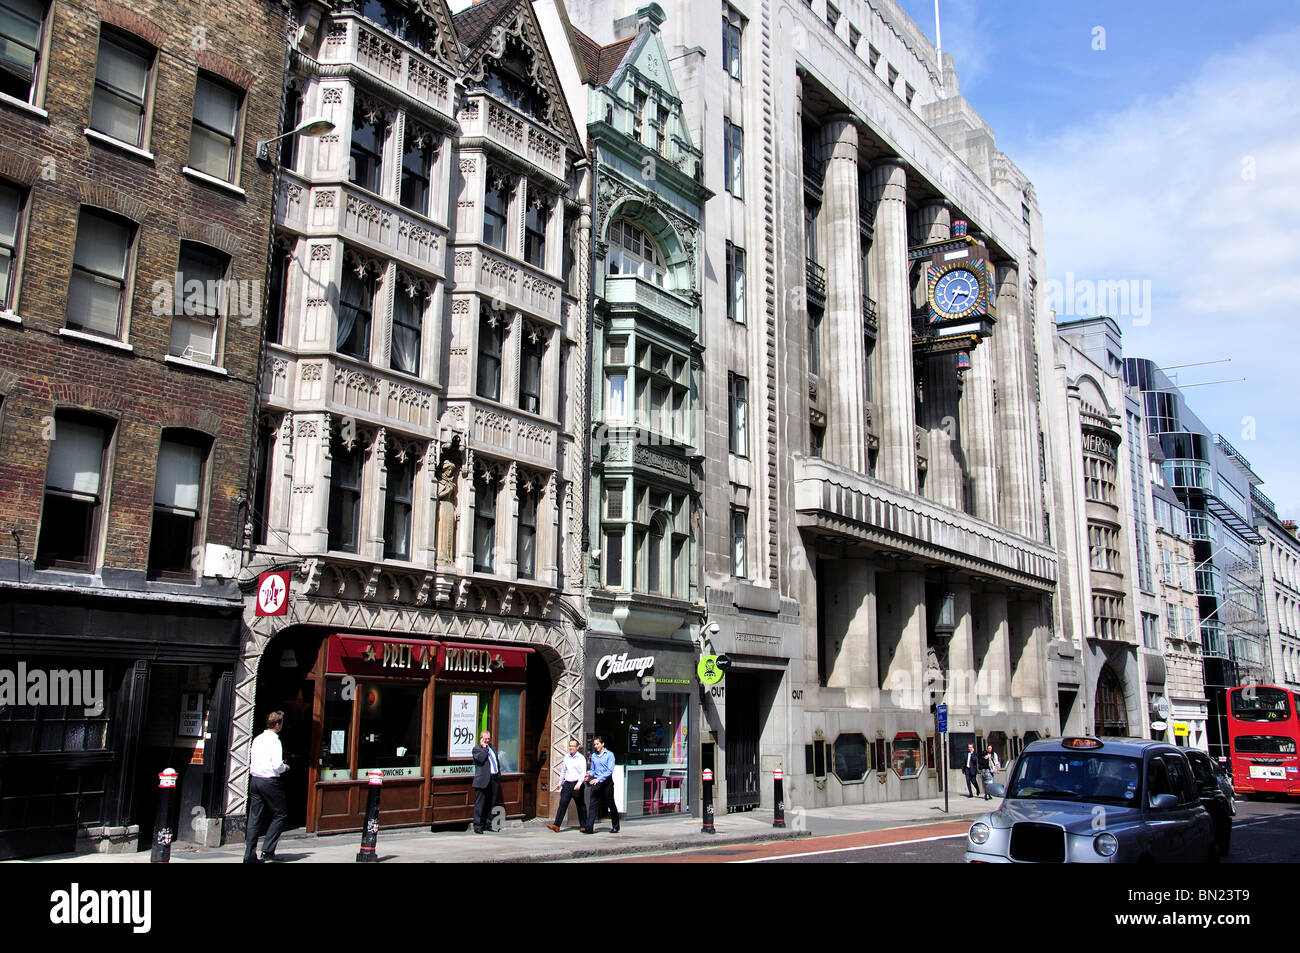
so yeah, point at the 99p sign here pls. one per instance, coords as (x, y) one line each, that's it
(462, 725)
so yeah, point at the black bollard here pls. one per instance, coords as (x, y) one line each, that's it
(366, 855)
(162, 832)
(778, 798)
(708, 827)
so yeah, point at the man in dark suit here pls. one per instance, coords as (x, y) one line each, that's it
(487, 782)
(970, 768)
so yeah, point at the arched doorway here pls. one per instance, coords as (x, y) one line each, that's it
(1111, 712)
(285, 683)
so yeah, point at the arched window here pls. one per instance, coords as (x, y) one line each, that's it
(1112, 714)
(633, 252)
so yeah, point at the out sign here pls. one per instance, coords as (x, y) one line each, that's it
(273, 593)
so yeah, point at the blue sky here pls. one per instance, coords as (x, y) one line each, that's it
(1170, 155)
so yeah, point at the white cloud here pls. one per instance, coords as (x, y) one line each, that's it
(1198, 191)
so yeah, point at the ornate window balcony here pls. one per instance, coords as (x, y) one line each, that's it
(362, 220)
(390, 62)
(501, 431)
(508, 281)
(633, 293)
(483, 117)
(342, 385)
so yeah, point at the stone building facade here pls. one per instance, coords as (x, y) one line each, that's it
(1280, 553)
(875, 524)
(134, 221)
(419, 467)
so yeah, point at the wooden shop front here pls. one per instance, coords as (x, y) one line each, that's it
(413, 710)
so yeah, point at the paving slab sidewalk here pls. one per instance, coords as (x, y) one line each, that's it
(533, 842)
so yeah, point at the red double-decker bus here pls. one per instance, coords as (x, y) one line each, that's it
(1264, 734)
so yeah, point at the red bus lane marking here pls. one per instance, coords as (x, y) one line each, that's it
(774, 850)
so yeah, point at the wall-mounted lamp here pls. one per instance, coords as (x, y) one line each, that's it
(314, 127)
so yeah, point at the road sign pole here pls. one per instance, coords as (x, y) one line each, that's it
(944, 741)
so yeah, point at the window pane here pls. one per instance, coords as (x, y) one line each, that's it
(617, 388)
(180, 468)
(216, 106)
(10, 203)
(210, 153)
(76, 455)
(508, 724)
(194, 339)
(614, 559)
(102, 245)
(124, 70)
(406, 332)
(94, 304)
(390, 727)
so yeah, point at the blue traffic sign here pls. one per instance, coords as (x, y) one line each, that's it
(942, 712)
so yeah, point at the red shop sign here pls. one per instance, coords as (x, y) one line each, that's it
(364, 655)
(476, 662)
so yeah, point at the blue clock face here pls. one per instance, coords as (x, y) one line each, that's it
(956, 292)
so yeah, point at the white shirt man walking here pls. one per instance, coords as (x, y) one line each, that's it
(264, 790)
(575, 771)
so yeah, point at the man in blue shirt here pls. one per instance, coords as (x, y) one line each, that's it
(601, 787)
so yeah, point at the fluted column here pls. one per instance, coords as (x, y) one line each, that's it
(895, 396)
(978, 430)
(1016, 470)
(997, 661)
(960, 692)
(945, 482)
(844, 359)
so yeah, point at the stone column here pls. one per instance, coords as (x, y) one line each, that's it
(978, 433)
(850, 622)
(895, 393)
(1017, 472)
(997, 661)
(946, 480)
(843, 360)
(960, 692)
(911, 655)
(1028, 681)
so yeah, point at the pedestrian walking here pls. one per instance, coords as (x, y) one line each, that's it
(487, 782)
(601, 787)
(571, 787)
(990, 765)
(970, 770)
(266, 764)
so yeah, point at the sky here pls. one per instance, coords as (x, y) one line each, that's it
(1163, 141)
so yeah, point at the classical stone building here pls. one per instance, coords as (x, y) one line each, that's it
(419, 469)
(134, 221)
(875, 521)
(1280, 554)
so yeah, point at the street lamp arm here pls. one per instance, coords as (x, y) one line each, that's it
(316, 126)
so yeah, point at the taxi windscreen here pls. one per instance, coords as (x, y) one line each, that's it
(1076, 775)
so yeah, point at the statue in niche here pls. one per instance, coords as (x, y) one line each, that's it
(446, 536)
(934, 678)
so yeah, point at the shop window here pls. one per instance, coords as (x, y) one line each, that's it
(97, 292)
(907, 755)
(850, 758)
(196, 326)
(122, 77)
(649, 740)
(388, 737)
(75, 486)
(397, 507)
(336, 730)
(214, 134)
(174, 544)
(22, 24)
(497, 710)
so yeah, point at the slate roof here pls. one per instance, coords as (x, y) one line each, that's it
(600, 61)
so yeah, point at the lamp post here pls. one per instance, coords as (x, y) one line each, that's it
(316, 126)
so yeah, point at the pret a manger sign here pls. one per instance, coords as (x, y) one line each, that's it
(365, 655)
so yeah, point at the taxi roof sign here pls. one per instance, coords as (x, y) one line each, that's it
(1080, 743)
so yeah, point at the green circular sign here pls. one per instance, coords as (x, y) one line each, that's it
(708, 670)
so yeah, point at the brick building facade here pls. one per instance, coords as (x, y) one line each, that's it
(134, 222)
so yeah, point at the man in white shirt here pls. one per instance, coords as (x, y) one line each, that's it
(575, 772)
(264, 790)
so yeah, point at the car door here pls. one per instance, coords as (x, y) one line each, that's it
(1160, 824)
(1188, 827)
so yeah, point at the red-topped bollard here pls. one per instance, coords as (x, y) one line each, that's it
(778, 798)
(366, 855)
(162, 832)
(708, 827)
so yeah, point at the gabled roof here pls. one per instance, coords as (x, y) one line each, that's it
(484, 29)
(436, 14)
(600, 61)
